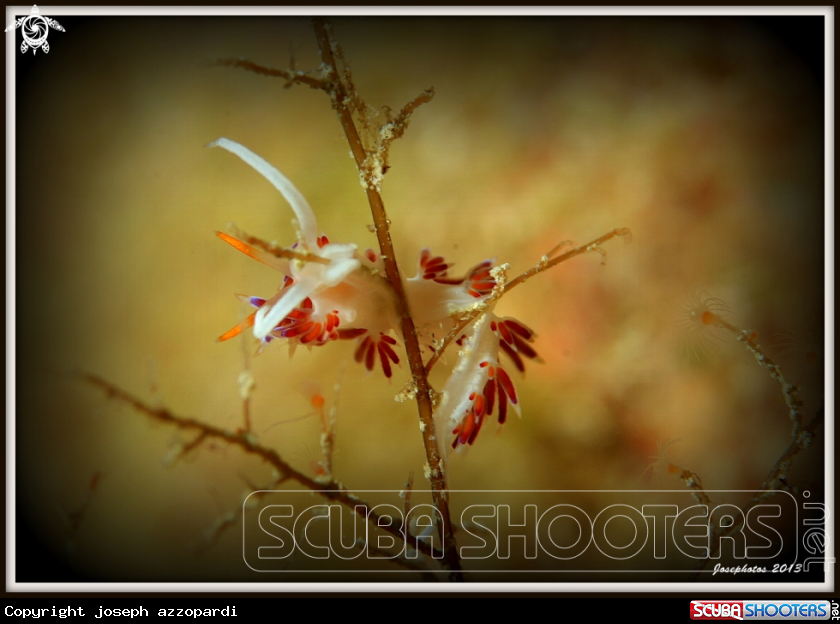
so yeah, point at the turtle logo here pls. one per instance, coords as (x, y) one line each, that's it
(34, 29)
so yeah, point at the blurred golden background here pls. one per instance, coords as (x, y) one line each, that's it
(704, 136)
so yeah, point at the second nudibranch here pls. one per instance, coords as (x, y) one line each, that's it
(333, 292)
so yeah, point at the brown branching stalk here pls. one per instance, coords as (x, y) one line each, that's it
(332, 490)
(801, 436)
(371, 164)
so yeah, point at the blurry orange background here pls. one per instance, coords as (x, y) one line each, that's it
(704, 136)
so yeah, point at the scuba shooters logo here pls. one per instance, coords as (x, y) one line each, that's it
(665, 533)
(799, 610)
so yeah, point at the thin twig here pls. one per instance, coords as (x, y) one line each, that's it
(246, 382)
(74, 518)
(329, 424)
(802, 436)
(225, 521)
(401, 560)
(333, 490)
(396, 127)
(789, 390)
(692, 481)
(767, 489)
(245, 240)
(290, 75)
(405, 494)
(547, 264)
(544, 264)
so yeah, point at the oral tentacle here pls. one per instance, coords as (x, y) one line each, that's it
(276, 309)
(305, 217)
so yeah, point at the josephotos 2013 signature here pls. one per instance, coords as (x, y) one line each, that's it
(778, 568)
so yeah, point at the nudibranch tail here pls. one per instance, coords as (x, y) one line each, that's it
(479, 384)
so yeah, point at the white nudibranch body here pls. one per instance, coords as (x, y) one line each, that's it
(330, 291)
